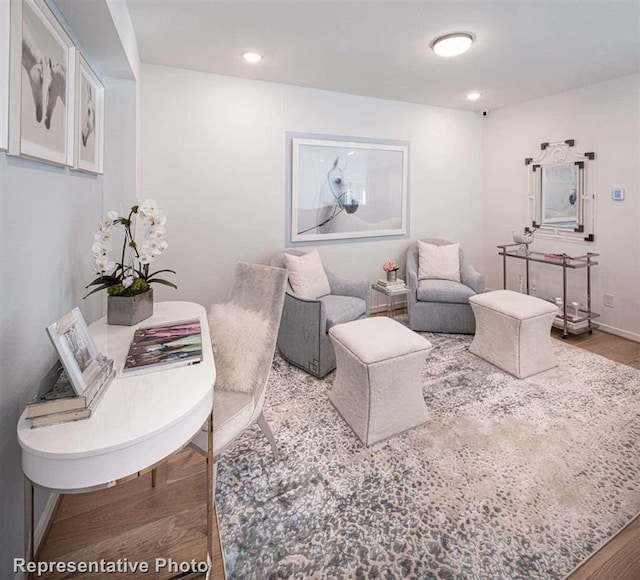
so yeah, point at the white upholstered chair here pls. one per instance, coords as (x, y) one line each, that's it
(258, 289)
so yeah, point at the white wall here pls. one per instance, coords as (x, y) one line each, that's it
(48, 216)
(213, 156)
(46, 213)
(603, 118)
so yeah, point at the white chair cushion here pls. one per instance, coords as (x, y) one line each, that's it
(438, 262)
(307, 276)
(231, 413)
(239, 337)
(340, 309)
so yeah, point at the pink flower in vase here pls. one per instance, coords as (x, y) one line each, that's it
(390, 267)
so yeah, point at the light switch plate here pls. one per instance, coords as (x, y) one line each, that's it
(617, 194)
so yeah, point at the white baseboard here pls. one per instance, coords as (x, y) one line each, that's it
(42, 525)
(617, 331)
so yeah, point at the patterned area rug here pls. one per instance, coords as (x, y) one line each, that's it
(508, 479)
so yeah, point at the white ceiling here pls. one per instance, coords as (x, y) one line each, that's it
(524, 49)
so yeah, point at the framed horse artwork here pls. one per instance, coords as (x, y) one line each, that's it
(43, 84)
(345, 189)
(5, 20)
(89, 119)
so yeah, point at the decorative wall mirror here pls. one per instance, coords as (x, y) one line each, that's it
(561, 191)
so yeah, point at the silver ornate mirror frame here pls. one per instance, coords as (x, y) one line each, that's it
(561, 191)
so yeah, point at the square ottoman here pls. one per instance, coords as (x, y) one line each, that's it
(513, 331)
(378, 387)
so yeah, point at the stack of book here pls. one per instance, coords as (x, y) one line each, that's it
(61, 404)
(559, 258)
(572, 323)
(384, 283)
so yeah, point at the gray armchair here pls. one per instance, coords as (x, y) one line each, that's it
(442, 305)
(303, 338)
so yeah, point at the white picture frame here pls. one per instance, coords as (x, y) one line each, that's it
(89, 139)
(42, 85)
(76, 350)
(5, 45)
(344, 188)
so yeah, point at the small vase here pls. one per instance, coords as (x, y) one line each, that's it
(392, 276)
(129, 310)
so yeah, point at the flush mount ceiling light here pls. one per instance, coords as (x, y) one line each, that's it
(452, 44)
(474, 95)
(252, 57)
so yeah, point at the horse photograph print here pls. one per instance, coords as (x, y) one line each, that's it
(89, 101)
(347, 189)
(88, 118)
(46, 54)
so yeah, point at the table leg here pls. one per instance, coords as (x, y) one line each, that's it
(210, 488)
(28, 521)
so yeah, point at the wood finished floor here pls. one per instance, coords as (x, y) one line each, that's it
(141, 523)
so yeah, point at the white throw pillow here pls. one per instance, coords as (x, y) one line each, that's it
(439, 262)
(307, 276)
(239, 337)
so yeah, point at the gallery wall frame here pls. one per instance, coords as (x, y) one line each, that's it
(89, 139)
(5, 42)
(343, 189)
(42, 85)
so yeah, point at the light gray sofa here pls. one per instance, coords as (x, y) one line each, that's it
(442, 305)
(303, 338)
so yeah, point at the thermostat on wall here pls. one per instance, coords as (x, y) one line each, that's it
(617, 194)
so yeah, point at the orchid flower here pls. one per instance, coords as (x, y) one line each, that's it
(119, 278)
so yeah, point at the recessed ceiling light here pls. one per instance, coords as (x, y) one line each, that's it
(252, 57)
(474, 96)
(452, 44)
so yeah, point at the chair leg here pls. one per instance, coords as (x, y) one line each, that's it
(262, 423)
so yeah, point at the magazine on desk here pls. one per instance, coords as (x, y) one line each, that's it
(164, 346)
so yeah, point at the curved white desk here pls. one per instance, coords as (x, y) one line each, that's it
(140, 420)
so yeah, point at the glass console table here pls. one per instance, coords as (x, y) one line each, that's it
(392, 294)
(570, 321)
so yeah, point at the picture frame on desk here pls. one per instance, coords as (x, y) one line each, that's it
(77, 351)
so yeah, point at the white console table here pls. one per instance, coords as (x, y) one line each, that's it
(139, 422)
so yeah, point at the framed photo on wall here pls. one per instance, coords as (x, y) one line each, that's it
(5, 40)
(76, 350)
(89, 119)
(43, 84)
(344, 188)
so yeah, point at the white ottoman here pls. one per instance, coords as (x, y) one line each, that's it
(513, 331)
(378, 387)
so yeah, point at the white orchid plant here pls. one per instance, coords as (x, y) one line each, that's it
(131, 275)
